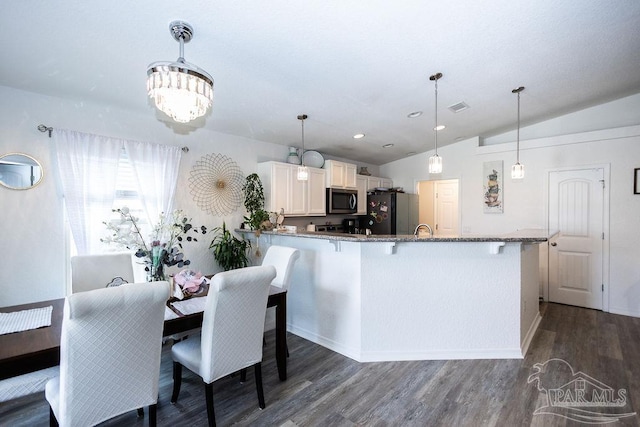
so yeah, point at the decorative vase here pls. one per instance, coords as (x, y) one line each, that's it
(364, 171)
(156, 267)
(293, 157)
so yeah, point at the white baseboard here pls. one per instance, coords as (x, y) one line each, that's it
(530, 333)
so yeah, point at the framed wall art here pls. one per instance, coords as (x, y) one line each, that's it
(636, 181)
(492, 178)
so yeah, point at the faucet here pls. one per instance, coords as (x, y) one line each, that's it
(415, 233)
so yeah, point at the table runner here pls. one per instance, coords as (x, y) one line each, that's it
(189, 306)
(24, 320)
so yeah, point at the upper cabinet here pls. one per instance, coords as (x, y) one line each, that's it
(282, 190)
(365, 184)
(340, 174)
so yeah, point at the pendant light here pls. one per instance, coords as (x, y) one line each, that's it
(303, 171)
(435, 161)
(517, 170)
(181, 90)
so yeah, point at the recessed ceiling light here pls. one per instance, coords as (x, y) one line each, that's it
(439, 127)
(387, 146)
(358, 136)
(414, 114)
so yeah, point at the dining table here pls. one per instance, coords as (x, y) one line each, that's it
(31, 350)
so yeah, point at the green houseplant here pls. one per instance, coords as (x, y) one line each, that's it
(229, 251)
(254, 202)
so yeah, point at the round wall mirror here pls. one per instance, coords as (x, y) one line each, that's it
(19, 171)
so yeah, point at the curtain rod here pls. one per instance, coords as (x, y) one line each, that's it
(44, 128)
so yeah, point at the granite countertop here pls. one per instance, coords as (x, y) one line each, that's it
(525, 236)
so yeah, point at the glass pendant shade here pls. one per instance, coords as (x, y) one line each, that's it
(181, 90)
(517, 171)
(435, 164)
(303, 173)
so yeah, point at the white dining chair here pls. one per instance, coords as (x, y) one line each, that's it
(232, 331)
(26, 384)
(282, 258)
(110, 350)
(89, 272)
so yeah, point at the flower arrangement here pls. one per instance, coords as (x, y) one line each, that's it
(164, 245)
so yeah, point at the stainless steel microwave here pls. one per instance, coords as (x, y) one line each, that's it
(342, 201)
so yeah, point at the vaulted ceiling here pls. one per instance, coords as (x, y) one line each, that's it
(352, 66)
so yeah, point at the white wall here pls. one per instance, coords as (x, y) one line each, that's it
(525, 201)
(33, 238)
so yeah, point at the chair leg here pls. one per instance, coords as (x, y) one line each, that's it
(177, 381)
(53, 422)
(152, 415)
(140, 412)
(258, 371)
(211, 414)
(243, 375)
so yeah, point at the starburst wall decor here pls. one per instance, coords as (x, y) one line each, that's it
(216, 184)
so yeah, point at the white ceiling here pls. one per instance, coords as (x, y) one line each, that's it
(352, 66)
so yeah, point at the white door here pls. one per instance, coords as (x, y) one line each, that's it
(576, 210)
(446, 208)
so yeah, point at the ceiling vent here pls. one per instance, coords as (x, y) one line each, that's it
(457, 107)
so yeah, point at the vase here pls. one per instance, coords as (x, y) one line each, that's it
(293, 157)
(155, 272)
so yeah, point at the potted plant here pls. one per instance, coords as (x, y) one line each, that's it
(254, 203)
(229, 251)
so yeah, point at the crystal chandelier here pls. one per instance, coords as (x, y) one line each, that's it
(181, 90)
(435, 161)
(303, 171)
(517, 170)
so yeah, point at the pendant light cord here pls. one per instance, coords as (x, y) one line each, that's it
(302, 117)
(518, 133)
(436, 128)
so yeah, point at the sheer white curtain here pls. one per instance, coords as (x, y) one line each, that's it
(88, 167)
(155, 167)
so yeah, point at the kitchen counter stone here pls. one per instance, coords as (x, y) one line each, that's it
(523, 236)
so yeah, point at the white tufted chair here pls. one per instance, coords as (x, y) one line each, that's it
(24, 385)
(232, 330)
(89, 272)
(109, 354)
(282, 258)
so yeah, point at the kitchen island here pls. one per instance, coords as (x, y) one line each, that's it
(385, 298)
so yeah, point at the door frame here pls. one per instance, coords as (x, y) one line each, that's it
(416, 185)
(606, 168)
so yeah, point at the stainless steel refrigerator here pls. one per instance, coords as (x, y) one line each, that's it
(392, 213)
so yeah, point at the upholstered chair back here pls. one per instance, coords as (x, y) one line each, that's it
(232, 326)
(109, 353)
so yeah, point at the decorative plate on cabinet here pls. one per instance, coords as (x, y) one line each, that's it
(313, 159)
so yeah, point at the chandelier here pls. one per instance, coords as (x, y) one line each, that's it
(435, 161)
(517, 170)
(181, 90)
(303, 171)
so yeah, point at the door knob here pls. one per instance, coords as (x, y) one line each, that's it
(554, 244)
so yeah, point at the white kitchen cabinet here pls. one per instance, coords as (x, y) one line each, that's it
(316, 193)
(282, 190)
(361, 183)
(340, 174)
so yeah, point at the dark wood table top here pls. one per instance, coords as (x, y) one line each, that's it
(35, 349)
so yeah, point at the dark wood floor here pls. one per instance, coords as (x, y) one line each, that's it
(327, 389)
